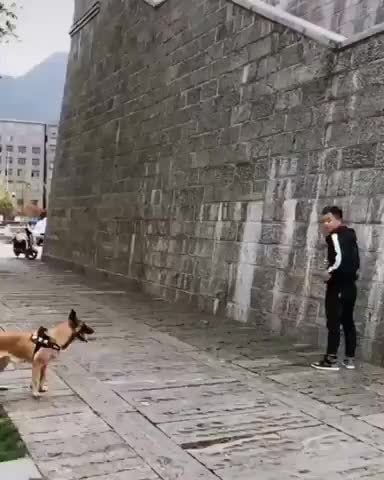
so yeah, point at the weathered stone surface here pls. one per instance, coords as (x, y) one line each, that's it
(197, 433)
(345, 17)
(258, 407)
(76, 446)
(51, 406)
(292, 451)
(105, 466)
(178, 404)
(189, 151)
(22, 469)
(88, 388)
(163, 375)
(61, 427)
(135, 473)
(159, 451)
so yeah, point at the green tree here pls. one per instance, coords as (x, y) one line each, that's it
(7, 19)
(6, 206)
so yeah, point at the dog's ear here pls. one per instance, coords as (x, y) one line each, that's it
(42, 331)
(73, 320)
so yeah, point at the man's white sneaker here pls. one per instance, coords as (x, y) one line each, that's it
(349, 364)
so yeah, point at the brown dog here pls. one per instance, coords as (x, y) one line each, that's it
(41, 347)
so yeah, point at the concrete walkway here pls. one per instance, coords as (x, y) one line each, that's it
(165, 394)
(22, 469)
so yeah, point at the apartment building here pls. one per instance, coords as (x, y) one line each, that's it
(26, 160)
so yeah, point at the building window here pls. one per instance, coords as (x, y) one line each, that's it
(10, 160)
(35, 173)
(36, 150)
(19, 172)
(21, 161)
(9, 172)
(22, 149)
(52, 149)
(9, 148)
(51, 165)
(35, 162)
(35, 202)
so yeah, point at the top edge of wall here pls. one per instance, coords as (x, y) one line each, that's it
(275, 14)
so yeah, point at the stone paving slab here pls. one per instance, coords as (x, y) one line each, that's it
(161, 454)
(22, 469)
(294, 451)
(117, 464)
(151, 378)
(221, 429)
(165, 393)
(91, 390)
(57, 427)
(181, 403)
(52, 406)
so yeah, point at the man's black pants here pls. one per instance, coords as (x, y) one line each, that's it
(340, 301)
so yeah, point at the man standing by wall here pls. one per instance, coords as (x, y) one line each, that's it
(340, 298)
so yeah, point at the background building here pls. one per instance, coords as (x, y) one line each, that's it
(51, 153)
(24, 160)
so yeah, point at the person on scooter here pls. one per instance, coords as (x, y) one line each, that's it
(39, 230)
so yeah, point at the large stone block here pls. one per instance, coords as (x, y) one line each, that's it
(271, 233)
(359, 156)
(298, 118)
(261, 300)
(264, 278)
(262, 106)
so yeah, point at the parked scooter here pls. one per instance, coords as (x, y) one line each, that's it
(24, 244)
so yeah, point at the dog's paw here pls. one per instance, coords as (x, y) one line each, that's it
(43, 389)
(36, 394)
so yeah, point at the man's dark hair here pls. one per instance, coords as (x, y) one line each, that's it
(337, 212)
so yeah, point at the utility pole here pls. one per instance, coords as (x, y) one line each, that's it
(45, 169)
(6, 169)
(7, 163)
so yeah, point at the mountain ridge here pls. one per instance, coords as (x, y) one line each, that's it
(36, 95)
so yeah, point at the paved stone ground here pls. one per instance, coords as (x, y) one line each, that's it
(162, 393)
(22, 469)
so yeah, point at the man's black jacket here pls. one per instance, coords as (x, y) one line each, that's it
(343, 254)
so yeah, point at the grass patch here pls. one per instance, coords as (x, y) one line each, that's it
(11, 445)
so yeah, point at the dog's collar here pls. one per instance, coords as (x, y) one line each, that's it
(41, 339)
(72, 338)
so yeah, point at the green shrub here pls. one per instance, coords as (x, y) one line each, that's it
(11, 445)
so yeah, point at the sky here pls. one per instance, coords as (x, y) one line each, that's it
(42, 28)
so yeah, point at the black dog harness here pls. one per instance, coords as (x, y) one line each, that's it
(41, 339)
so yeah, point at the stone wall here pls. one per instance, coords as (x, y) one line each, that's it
(346, 17)
(198, 143)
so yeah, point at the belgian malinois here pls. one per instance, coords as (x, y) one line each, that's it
(40, 347)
